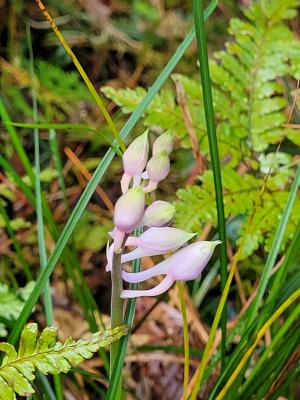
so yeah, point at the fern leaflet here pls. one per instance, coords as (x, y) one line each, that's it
(47, 355)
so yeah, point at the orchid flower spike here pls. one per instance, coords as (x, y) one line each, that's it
(185, 265)
(134, 160)
(153, 242)
(164, 142)
(157, 169)
(129, 211)
(159, 213)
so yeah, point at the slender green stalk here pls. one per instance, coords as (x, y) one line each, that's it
(275, 248)
(58, 165)
(37, 187)
(180, 286)
(39, 209)
(214, 153)
(116, 303)
(115, 378)
(96, 178)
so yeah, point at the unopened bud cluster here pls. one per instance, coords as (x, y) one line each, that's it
(142, 176)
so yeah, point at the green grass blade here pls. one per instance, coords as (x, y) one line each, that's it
(58, 165)
(97, 176)
(48, 125)
(294, 297)
(65, 126)
(16, 141)
(280, 275)
(214, 153)
(256, 371)
(275, 248)
(5, 164)
(37, 187)
(39, 209)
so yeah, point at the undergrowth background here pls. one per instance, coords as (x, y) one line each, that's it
(254, 58)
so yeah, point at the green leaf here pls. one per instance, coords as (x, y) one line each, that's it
(195, 206)
(45, 354)
(12, 302)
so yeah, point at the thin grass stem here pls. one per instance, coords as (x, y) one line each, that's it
(180, 287)
(214, 153)
(39, 208)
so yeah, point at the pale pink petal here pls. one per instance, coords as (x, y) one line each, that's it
(134, 277)
(137, 180)
(109, 256)
(162, 240)
(125, 181)
(188, 263)
(112, 233)
(119, 237)
(132, 255)
(129, 210)
(150, 187)
(162, 287)
(136, 155)
(132, 241)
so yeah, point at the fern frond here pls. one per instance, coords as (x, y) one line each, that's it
(45, 354)
(12, 302)
(195, 206)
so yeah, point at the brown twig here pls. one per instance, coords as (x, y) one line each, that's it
(87, 175)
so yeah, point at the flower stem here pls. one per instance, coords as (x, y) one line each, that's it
(180, 287)
(116, 303)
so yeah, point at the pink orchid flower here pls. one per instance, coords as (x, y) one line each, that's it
(185, 265)
(164, 142)
(153, 242)
(159, 213)
(157, 169)
(129, 211)
(134, 160)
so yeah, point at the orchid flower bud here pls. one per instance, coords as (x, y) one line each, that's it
(153, 242)
(164, 142)
(159, 213)
(157, 169)
(129, 211)
(134, 160)
(185, 265)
